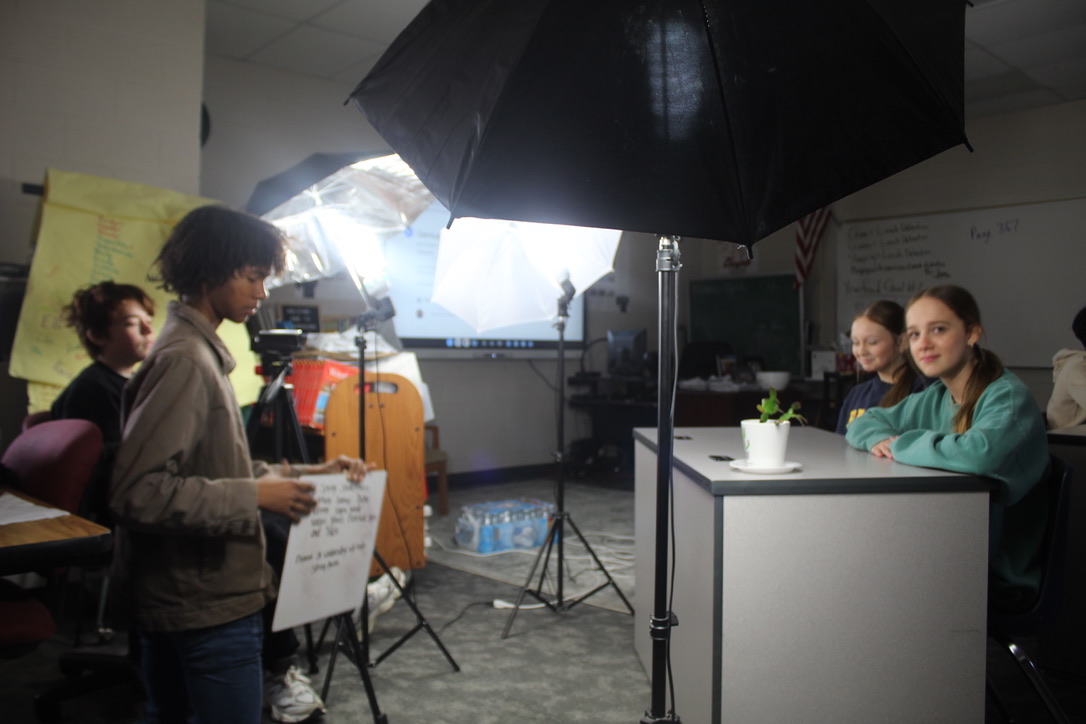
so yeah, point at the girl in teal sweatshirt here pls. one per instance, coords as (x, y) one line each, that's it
(976, 418)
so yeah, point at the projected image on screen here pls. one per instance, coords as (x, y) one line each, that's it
(410, 263)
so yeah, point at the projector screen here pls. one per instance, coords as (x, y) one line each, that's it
(410, 262)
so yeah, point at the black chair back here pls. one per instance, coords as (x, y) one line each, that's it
(1003, 628)
(1053, 557)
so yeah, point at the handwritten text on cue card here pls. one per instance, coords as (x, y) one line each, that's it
(327, 562)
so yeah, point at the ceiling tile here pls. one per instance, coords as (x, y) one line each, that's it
(291, 9)
(380, 20)
(1001, 21)
(235, 32)
(1066, 43)
(1068, 79)
(1010, 103)
(1009, 83)
(316, 51)
(979, 63)
(352, 75)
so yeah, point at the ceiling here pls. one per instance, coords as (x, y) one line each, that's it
(1019, 54)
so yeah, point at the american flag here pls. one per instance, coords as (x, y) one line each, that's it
(809, 232)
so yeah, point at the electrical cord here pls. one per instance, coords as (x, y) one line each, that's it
(460, 615)
(540, 375)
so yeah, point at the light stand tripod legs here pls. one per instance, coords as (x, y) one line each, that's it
(556, 532)
(559, 604)
(421, 624)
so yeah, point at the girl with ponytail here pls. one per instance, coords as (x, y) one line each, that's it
(976, 418)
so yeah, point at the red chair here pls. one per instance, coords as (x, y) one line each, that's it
(36, 418)
(54, 461)
(24, 621)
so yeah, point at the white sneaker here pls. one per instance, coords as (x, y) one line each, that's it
(290, 697)
(382, 594)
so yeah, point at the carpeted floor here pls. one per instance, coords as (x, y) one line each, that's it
(577, 666)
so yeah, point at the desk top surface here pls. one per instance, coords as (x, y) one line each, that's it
(37, 544)
(829, 466)
(1068, 435)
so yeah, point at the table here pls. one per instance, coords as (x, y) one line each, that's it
(51, 542)
(854, 590)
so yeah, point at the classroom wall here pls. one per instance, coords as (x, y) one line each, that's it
(110, 88)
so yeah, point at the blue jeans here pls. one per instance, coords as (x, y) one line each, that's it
(213, 673)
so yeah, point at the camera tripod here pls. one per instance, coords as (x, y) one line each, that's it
(555, 532)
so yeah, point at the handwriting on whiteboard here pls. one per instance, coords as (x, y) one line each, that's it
(1001, 227)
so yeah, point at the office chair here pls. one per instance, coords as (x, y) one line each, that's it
(24, 621)
(35, 418)
(1005, 628)
(54, 462)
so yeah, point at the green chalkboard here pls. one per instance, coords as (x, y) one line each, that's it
(759, 316)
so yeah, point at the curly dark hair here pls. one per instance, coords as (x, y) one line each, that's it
(91, 310)
(211, 243)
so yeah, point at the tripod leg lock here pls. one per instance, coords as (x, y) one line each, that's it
(660, 628)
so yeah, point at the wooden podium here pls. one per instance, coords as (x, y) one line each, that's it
(395, 442)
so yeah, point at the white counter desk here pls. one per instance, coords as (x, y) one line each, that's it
(853, 590)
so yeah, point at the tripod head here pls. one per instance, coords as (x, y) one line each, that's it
(276, 348)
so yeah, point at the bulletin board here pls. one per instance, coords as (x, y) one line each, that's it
(1024, 265)
(93, 229)
(759, 316)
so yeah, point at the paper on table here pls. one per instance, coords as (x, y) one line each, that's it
(14, 509)
(327, 562)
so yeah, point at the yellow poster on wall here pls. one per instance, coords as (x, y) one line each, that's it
(93, 229)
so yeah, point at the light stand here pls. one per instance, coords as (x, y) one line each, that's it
(555, 534)
(368, 323)
(668, 264)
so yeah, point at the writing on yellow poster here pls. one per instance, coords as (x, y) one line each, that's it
(93, 229)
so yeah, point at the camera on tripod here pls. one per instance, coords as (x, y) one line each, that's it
(276, 347)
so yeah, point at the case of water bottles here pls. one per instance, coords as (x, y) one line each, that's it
(503, 525)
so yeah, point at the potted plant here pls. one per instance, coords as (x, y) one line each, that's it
(765, 438)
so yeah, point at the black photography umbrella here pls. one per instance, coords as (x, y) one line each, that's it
(717, 119)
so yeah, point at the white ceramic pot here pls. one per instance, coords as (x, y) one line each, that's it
(765, 442)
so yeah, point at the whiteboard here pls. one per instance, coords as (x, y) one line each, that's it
(327, 564)
(1025, 264)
